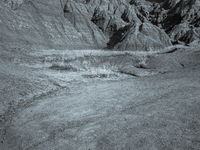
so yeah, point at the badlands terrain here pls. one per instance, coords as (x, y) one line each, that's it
(99, 74)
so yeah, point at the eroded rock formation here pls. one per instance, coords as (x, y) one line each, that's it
(95, 24)
(179, 18)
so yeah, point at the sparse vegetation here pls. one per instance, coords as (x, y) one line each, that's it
(96, 64)
(63, 66)
(101, 73)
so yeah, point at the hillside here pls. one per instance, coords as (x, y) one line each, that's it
(120, 25)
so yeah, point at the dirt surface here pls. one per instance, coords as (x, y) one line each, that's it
(44, 108)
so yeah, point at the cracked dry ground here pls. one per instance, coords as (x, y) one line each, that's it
(152, 112)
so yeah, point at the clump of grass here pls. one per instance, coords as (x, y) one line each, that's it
(101, 73)
(63, 66)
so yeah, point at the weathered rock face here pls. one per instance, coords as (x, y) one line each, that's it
(91, 24)
(179, 18)
(139, 37)
(128, 28)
